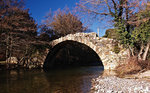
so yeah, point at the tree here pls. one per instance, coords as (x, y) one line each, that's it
(6, 6)
(47, 33)
(63, 23)
(120, 12)
(18, 29)
(112, 9)
(141, 33)
(111, 33)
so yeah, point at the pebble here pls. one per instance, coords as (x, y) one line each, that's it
(115, 84)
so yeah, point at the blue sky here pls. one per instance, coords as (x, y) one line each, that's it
(39, 9)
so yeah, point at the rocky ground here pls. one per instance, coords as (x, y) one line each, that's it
(113, 84)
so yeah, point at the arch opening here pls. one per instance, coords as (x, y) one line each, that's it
(71, 54)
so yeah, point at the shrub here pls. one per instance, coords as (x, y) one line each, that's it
(111, 33)
(116, 49)
(131, 67)
(145, 64)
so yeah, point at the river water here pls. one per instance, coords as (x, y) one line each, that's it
(74, 80)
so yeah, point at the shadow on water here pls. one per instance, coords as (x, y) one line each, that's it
(75, 80)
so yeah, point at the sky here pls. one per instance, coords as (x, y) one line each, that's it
(39, 8)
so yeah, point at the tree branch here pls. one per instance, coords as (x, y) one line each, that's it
(109, 8)
(115, 5)
(120, 8)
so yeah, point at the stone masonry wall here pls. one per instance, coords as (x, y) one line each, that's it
(102, 46)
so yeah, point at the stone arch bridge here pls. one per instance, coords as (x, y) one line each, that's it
(102, 46)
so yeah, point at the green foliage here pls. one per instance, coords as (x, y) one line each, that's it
(138, 34)
(142, 30)
(111, 33)
(141, 34)
(116, 49)
(122, 34)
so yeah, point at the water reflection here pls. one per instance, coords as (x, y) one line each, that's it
(75, 80)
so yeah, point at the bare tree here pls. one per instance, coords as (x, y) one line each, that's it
(6, 8)
(17, 28)
(64, 22)
(114, 10)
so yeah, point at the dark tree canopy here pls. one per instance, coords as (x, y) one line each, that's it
(17, 28)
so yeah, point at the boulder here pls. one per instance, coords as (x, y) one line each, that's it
(12, 60)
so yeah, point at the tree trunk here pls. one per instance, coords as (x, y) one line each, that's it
(140, 53)
(131, 51)
(146, 51)
(10, 49)
(7, 52)
(127, 16)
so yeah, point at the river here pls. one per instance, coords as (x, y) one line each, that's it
(73, 80)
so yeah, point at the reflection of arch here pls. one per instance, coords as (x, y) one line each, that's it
(71, 53)
(74, 80)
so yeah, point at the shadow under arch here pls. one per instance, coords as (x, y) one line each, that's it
(71, 54)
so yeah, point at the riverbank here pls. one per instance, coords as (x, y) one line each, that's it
(12, 66)
(17, 67)
(113, 84)
(141, 76)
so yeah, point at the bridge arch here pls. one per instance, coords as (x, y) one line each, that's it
(103, 47)
(71, 53)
